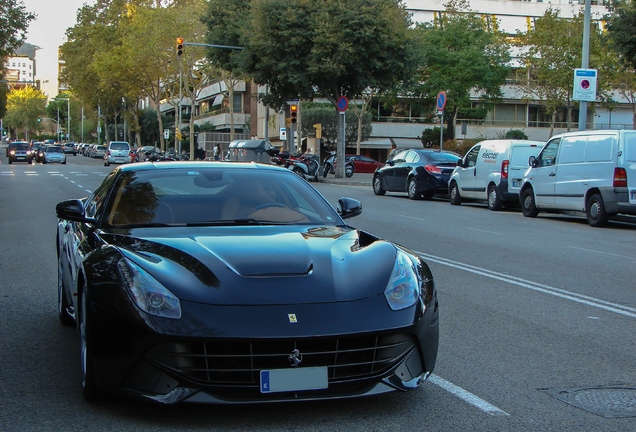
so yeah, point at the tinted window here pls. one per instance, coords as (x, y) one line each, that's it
(54, 150)
(471, 156)
(95, 202)
(119, 146)
(411, 156)
(440, 157)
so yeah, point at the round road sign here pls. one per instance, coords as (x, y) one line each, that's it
(342, 103)
(441, 101)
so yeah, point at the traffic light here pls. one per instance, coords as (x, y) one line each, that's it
(179, 46)
(293, 113)
(318, 127)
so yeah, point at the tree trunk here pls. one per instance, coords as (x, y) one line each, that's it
(552, 121)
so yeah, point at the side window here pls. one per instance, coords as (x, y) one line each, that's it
(95, 202)
(412, 157)
(400, 157)
(572, 150)
(600, 148)
(549, 153)
(470, 160)
(630, 146)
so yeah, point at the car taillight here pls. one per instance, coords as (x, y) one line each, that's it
(108, 153)
(504, 169)
(620, 177)
(432, 169)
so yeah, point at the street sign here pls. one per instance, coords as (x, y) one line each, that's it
(441, 101)
(584, 85)
(166, 133)
(342, 104)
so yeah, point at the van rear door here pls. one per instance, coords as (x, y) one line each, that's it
(630, 163)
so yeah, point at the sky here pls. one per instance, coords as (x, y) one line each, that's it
(48, 31)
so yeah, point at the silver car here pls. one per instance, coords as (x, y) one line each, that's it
(54, 154)
(98, 152)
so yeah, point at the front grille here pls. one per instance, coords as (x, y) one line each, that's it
(239, 362)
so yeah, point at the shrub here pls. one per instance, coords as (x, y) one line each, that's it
(516, 134)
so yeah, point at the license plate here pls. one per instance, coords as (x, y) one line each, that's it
(632, 196)
(119, 160)
(282, 380)
(516, 183)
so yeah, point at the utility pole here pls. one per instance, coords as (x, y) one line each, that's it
(585, 61)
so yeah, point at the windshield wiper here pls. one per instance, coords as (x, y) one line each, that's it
(236, 222)
(148, 225)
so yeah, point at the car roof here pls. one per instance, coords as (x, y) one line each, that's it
(146, 166)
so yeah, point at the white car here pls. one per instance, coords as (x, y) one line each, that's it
(593, 172)
(492, 171)
(53, 154)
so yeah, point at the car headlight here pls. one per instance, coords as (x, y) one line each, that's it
(403, 289)
(147, 293)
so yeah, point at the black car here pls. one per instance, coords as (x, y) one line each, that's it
(38, 154)
(237, 282)
(19, 151)
(416, 172)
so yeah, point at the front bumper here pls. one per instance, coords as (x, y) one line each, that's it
(218, 360)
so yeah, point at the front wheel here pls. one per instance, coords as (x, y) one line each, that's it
(494, 201)
(528, 206)
(325, 170)
(89, 388)
(453, 194)
(595, 211)
(348, 172)
(377, 186)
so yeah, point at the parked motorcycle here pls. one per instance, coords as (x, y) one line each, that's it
(305, 165)
(329, 165)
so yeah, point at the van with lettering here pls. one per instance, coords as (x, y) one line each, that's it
(492, 171)
(593, 172)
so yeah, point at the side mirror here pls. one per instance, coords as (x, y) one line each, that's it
(348, 207)
(72, 210)
(533, 162)
(460, 163)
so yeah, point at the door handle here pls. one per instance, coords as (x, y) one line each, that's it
(552, 174)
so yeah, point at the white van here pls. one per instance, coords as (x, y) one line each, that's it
(492, 171)
(587, 171)
(117, 152)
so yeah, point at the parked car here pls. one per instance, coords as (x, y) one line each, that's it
(98, 152)
(492, 171)
(117, 152)
(363, 164)
(188, 289)
(54, 154)
(416, 172)
(19, 151)
(593, 172)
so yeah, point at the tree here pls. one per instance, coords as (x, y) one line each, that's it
(323, 113)
(621, 29)
(307, 48)
(14, 21)
(463, 55)
(552, 50)
(24, 106)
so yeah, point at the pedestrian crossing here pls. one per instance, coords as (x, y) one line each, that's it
(14, 172)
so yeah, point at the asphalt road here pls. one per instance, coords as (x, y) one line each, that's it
(538, 318)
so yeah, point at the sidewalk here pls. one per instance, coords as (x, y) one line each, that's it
(357, 179)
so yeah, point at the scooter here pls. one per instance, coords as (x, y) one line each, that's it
(329, 165)
(305, 165)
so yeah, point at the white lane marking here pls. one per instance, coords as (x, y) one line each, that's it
(466, 396)
(34, 174)
(599, 252)
(72, 182)
(485, 231)
(80, 175)
(546, 289)
(7, 173)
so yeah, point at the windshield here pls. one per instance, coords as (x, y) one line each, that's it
(216, 196)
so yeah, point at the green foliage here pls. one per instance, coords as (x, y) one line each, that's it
(303, 47)
(24, 106)
(324, 114)
(462, 54)
(475, 113)
(430, 136)
(14, 21)
(621, 29)
(515, 134)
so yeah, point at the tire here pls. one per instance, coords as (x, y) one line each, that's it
(377, 186)
(89, 389)
(62, 304)
(595, 211)
(453, 194)
(528, 207)
(348, 172)
(494, 201)
(64, 163)
(412, 190)
(325, 170)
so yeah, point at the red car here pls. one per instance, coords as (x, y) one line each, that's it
(363, 164)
